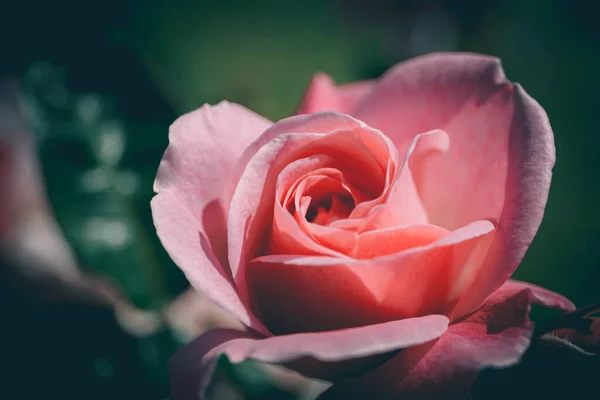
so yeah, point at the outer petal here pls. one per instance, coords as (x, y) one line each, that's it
(499, 165)
(326, 293)
(496, 335)
(192, 185)
(539, 295)
(323, 355)
(531, 158)
(323, 95)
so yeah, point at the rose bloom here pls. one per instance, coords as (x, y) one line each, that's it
(369, 240)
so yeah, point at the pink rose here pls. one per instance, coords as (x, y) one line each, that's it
(387, 218)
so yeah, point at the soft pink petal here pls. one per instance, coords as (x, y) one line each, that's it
(306, 178)
(287, 236)
(531, 158)
(354, 145)
(324, 293)
(496, 335)
(428, 92)
(539, 295)
(402, 205)
(469, 98)
(322, 355)
(338, 240)
(499, 164)
(323, 95)
(383, 242)
(193, 189)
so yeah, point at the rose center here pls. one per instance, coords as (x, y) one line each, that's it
(330, 209)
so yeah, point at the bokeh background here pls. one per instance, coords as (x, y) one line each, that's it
(91, 305)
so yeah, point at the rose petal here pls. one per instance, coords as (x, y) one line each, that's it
(323, 95)
(399, 208)
(287, 236)
(325, 293)
(294, 234)
(339, 240)
(499, 165)
(496, 335)
(335, 135)
(383, 242)
(190, 207)
(539, 295)
(191, 367)
(469, 98)
(531, 158)
(402, 205)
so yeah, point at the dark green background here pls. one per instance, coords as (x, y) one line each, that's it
(144, 62)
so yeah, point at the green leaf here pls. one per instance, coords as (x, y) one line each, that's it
(99, 167)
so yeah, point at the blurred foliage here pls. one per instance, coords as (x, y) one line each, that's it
(243, 381)
(105, 79)
(99, 168)
(562, 362)
(58, 349)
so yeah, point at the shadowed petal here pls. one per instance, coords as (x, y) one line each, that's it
(317, 355)
(496, 335)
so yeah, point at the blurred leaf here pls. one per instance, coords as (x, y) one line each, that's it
(245, 381)
(58, 348)
(99, 167)
(153, 352)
